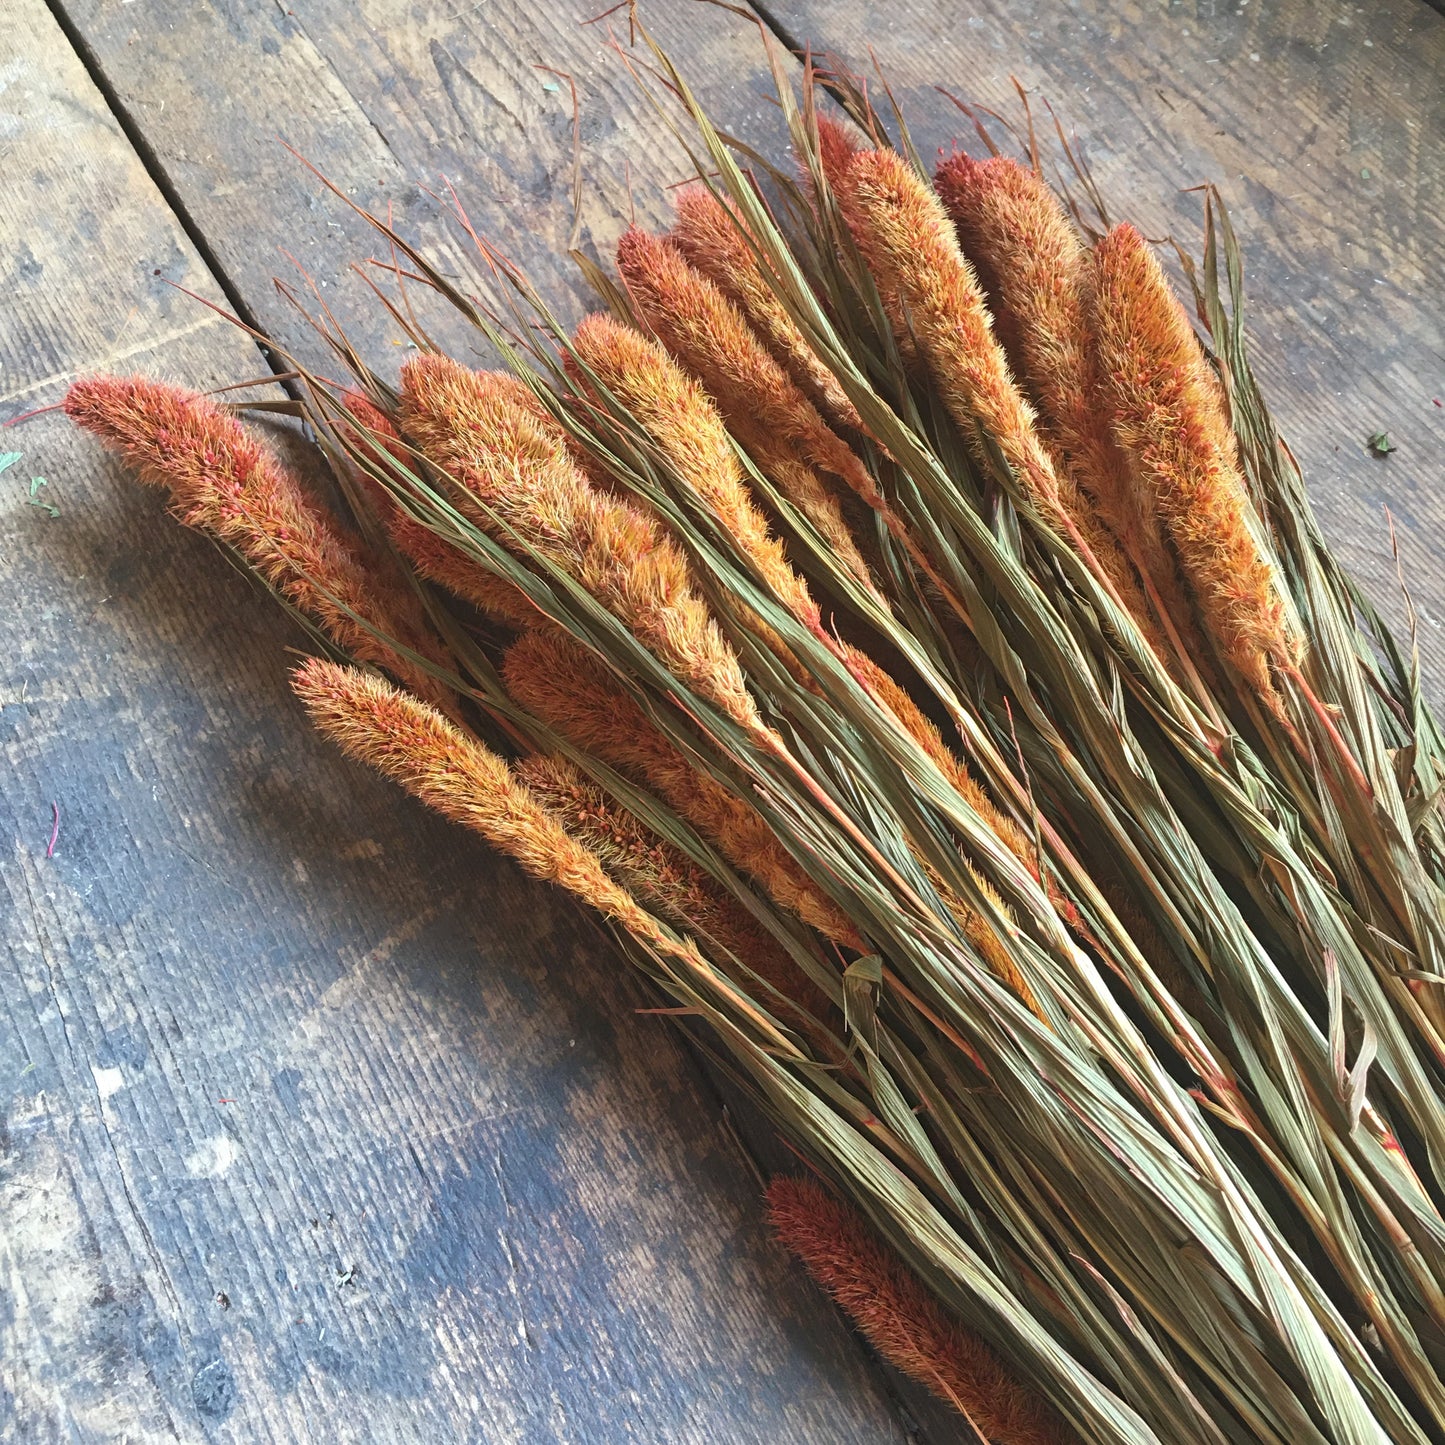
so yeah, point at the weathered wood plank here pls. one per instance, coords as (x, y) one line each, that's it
(319, 1122)
(1324, 126)
(386, 98)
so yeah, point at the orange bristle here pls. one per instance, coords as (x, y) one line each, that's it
(837, 145)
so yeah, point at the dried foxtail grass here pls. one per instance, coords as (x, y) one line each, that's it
(885, 1300)
(433, 556)
(905, 235)
(713, 238)
(435, 761)
(1168, 418)
(488, 434)
(413, 744)
(765, 410)
(673, 409)
(1039, 278)
(560, 682)
(663, 877)
(224, 482)
(837, 148)
(1179, 1166)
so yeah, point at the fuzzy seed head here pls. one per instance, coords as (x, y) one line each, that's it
(1036, 269)
(453, 773)
(1169, 421)
(555, 678)
(223, 481)
(837, 145)
(711, 339)
(680, 418)
(490, 435)
(902, 1321)
(710, 234)
(908, 241)
(432, 556)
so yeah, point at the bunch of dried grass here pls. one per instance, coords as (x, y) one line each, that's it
(1070, 897)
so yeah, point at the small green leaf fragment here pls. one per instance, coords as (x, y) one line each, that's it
(8, 459)
(1379, 443)
(36, 501)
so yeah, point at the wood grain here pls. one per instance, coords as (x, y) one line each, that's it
(319, 1122)
(392, 100)
(1323, 124)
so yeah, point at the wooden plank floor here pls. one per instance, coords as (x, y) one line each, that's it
(319, 1122)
